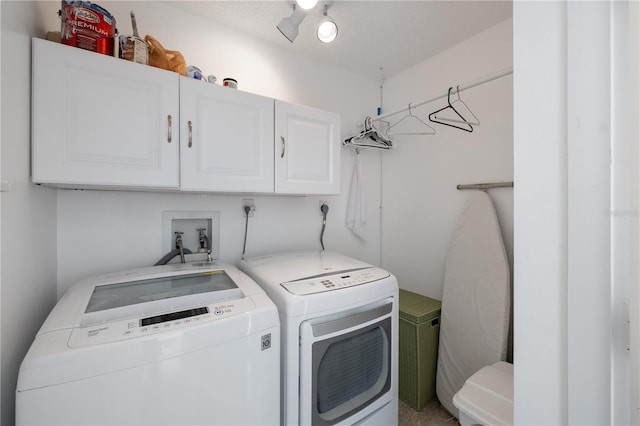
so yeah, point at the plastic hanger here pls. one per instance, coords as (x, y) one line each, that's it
(431, 130)
(369, 137)
(474, 122)
(433, 117)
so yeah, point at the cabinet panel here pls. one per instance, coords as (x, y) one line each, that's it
(226, 139)
(308, 150)
(102, 121)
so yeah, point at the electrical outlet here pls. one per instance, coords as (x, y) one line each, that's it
(320, 206)
(252, 207)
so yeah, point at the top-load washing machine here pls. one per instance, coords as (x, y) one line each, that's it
(175, 344)
(339, 322)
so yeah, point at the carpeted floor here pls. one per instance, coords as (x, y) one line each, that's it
(431, 415)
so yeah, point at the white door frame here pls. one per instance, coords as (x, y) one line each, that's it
(576, 212)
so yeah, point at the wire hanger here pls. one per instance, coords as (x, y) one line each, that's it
(370, 137)
(474, 122)
(431, 130)
(433, 118)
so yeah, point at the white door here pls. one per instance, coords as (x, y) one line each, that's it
(102, 121)
(226, 138)
(307, 153)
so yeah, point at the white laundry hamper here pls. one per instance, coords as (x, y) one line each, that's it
(487, 397)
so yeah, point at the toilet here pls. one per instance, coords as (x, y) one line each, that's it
(487, 397)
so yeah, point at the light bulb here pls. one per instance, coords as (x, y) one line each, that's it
(327, 30)
(307, 4)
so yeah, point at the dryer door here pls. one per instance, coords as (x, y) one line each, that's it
(345, 364)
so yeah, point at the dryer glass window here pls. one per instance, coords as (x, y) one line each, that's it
(350, 363)
(134, 292)
(351, 367)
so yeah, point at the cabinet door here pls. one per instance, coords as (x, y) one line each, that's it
(226, 139)
(307, 154)
(99, 121)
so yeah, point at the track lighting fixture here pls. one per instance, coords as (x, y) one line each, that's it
(327, 29)
(289, 26)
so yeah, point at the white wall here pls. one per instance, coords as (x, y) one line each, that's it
(572, 272)
(102, 231)
(420, 202)
(632, 104)
(589, 324)
(28, 214)
(624, 209)
(540, 381)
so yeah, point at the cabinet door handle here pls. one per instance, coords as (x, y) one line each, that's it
(283, 147)
(170, 131)
(190, 134)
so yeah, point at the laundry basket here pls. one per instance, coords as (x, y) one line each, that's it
(419, 326)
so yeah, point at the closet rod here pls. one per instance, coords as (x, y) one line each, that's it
(483, 186)
(469, 85)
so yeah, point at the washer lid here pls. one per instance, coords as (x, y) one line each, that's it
(112, 302)
(167, 293)
(280, 268)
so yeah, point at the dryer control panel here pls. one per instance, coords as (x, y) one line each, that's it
(335, 281)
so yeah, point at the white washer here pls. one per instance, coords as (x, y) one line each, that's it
(176, 344)
(339, 321)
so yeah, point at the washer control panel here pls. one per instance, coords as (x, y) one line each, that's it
(335, 281)
(162, 322)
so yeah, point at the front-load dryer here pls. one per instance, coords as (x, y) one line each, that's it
(339, 323)
(175, 344)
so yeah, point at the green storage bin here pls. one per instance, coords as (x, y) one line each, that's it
(419, 327)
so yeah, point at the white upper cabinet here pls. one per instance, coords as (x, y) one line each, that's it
(103, 122)
(307, 154)
(226, 139)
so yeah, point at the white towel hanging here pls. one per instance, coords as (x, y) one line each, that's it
(356, 209)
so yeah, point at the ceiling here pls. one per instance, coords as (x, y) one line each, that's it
(393, 34)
